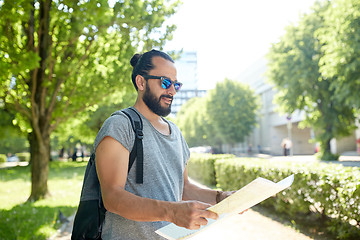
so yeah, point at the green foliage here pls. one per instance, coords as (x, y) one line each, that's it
(14, 143)
(19, 220)
(87, 56)
(201, 167)
(327, 155)
(59, 59)
(201, 123)
(196, 128)
(329, 190)
(83, 129)
(340, 39)
(294, 69)
(12, 140)
(3, 158)
(232, 109)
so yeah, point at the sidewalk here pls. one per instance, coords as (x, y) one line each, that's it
(251, 226)
(13, 164)
(349, 159)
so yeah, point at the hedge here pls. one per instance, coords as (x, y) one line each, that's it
(331, 191)
(23, 157)
(201, 167)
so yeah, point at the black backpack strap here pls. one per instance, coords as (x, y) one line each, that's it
(137, 151)
(92, 161)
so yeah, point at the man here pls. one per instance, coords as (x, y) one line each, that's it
(135, 211)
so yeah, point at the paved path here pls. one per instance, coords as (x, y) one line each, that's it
(350, 159)
(13, 164)
(250, 226)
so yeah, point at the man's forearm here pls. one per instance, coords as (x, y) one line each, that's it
(137, 208)
(188, 214)
(194, 192)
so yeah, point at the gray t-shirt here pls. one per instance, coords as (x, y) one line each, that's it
(165, 157)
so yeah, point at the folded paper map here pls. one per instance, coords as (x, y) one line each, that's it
(245, 198)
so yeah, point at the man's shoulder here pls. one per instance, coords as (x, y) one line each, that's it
(117, 118)
(121, 112)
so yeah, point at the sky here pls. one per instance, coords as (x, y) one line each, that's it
(230, 35)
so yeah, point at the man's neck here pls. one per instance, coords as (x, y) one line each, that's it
(156, 121)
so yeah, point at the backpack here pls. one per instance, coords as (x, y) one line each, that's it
(90, 214)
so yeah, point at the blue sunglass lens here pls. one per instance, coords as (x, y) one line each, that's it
(177, 86)
(166, 83)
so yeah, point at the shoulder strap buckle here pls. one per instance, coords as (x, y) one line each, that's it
(139, 134)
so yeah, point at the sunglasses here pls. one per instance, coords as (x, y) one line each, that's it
(165, 82)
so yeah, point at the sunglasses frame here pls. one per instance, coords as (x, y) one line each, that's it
(179, 84)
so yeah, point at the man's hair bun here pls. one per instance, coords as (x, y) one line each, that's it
(135, 59)
(142, 63)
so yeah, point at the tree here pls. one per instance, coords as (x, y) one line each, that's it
(294, 69)
(194, 123)
(340, 37)
(232, 109)
(59, 58)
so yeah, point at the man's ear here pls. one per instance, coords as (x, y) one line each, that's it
(140, 82)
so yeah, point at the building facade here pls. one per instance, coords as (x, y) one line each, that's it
(273, 127)
(186, 67)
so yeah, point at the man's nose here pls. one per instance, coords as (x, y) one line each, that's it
(171, 90)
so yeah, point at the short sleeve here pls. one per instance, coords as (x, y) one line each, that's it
(118, 127)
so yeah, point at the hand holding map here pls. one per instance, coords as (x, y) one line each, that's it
(243, 199)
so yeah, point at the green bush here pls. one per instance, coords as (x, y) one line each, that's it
(24, 157)
(2, 158)
(329, 190)
(201, 167)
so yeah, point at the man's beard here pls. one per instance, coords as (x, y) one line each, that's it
(154, 104)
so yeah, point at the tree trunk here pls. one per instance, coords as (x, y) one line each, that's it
(325, 150)
(41, 116)
(39, 167)
(29, 137)
(328, 146)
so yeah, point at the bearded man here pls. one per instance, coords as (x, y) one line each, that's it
(135, 211)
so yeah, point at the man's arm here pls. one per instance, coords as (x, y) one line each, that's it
(194, 192)
(112, 161)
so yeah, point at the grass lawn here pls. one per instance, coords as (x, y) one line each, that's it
(39, 220)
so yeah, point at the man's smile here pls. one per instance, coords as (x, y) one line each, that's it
(167, 99)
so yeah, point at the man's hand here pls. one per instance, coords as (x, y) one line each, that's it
(191, 214)
(222, 195)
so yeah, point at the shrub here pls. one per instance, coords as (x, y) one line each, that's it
(24, 157)
(329, 190)
(2, 158)
(201, 167)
